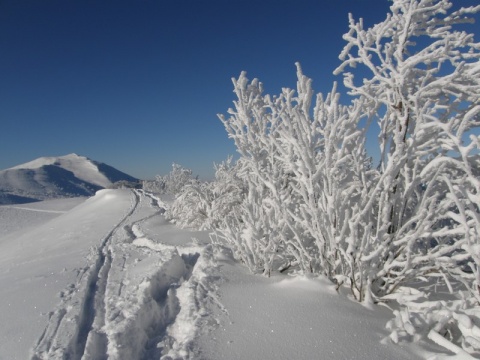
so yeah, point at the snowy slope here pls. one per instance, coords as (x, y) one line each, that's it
(111, 278)
(39, 262)
(23, 216)
(53, 177)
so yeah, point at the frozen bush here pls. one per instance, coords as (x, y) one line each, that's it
(305, 196)
(423, 92)
(303, 171)
(173, 182)
(203, 205)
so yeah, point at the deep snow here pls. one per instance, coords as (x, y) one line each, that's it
(295, 318)
(37, 264)
(108, 277)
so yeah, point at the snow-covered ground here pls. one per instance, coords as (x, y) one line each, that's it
(109, 277)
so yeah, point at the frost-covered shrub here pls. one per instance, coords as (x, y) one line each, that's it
(192, 207)
(423, 92)
(422, 210)
(315, 202)
(256, 230)
(173, 182)
(203, 205)
(330, 171)
(451, 323)
(303, 169)
(304, 195)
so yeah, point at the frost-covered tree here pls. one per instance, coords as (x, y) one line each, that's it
(256, 230)
(324, 152)
(423, 91)
(204, 205)
(305, 196)
(420, 217)
(173, 182)
(304, 169)
(314, 200)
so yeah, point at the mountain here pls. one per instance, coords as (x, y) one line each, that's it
(56, 177)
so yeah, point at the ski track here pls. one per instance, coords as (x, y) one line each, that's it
(124, 304)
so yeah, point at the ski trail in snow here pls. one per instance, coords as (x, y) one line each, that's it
(66, 336)
(136, 299)
(92, 317)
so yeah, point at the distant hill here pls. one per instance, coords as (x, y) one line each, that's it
(55, 177)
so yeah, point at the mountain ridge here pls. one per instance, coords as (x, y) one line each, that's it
(56, 177)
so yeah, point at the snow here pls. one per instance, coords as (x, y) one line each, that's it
(36, 265)
(19, 217)
(82, 167)
(110, 277)
(57, 177)
(296, 318)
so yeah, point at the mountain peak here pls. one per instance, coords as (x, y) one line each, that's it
(50, 160)
(74, 156)
(58, 176)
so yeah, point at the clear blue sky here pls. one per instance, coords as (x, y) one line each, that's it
(138, 84)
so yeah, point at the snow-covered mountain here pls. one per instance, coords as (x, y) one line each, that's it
(56, 177)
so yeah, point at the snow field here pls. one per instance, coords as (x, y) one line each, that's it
(39, 263)
(133, 289)
(20, 217)
(296, 318)
(111, 278)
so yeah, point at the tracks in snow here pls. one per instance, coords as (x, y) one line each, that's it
(126, 302)
(69, 325)
(92, 310)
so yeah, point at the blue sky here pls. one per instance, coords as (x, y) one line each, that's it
(138, 84)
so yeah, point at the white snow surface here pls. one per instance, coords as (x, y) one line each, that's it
(82, 167)
(22, 216)
(110, 278)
